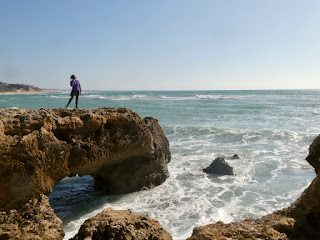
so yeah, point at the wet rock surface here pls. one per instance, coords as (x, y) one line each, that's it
(219, 167)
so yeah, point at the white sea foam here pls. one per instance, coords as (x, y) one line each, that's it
(178, 98)
(138, 96)
(197, 97)
(59, 96)
(94, 96)
(211, 97)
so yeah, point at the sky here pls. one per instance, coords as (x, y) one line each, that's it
(161, 44)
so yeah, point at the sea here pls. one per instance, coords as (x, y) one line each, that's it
(270, 131)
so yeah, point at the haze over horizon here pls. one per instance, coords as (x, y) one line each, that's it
(161, 45)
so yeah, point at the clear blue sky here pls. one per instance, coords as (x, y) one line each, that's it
(161, 44)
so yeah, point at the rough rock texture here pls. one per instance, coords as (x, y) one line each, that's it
(123, 152)
(35, 220)
(219, 167)
(123, 224)
(300, 221)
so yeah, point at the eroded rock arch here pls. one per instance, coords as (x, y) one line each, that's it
(38, 148)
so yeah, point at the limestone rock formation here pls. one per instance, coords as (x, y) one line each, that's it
(219, 167)
(123, 152)
(35, 220)
(300, 221)
(124, 224)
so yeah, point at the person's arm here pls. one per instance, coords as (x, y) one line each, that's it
(80, 87)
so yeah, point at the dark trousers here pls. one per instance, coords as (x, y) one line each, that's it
(72, 94)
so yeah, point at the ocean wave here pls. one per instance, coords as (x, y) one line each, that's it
(212, 97)
(116, 97)
(246, 136)
(94, 96)
(255, 106)
(138, 96)
(129, 97)
(198, 97)
(60, 96)
(178, 98)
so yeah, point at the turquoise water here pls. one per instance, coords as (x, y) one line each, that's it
(270, 130)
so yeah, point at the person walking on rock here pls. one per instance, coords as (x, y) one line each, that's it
(76, 89)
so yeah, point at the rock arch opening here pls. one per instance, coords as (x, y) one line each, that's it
(74, 197)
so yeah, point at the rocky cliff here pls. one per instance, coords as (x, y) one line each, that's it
(38, 148)
(300, 221)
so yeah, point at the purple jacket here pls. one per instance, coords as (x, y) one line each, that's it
(75, 85)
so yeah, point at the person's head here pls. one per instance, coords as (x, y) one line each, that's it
(73, 77)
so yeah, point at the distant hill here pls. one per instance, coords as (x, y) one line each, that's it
(6, 87)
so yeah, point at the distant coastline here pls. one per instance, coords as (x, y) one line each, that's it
(10, 93)
(7, 88)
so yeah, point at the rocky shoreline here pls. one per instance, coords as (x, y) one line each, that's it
(123, 153)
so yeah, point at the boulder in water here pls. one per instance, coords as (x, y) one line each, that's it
(219, 167)
(121, 224)
(235, 156)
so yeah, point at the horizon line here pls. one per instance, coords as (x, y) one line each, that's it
(179, 90)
